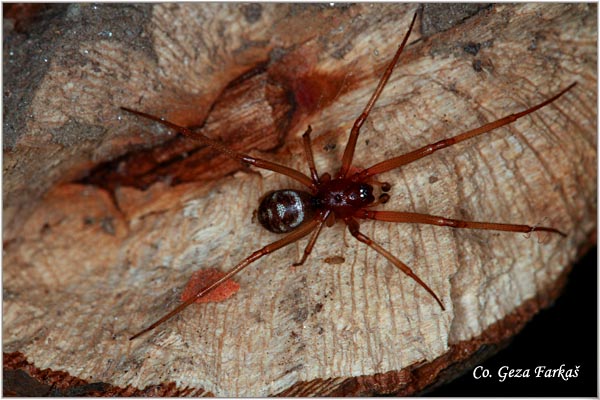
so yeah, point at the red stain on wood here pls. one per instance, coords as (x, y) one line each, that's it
(318, 90)
(311, 89)
(203, 278)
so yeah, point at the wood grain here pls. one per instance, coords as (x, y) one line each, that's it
(108, 216)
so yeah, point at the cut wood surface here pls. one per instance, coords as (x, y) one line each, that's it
(107, 216)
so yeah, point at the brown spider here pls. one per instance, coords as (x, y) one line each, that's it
(347, 196)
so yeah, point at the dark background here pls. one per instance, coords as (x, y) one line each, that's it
(565, 333)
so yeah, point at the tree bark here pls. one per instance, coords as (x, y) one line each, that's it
(107, 216)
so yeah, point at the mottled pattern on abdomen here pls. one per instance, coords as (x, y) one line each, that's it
(282, 211)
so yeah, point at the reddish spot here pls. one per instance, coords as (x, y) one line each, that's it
(312, 90)
(316, 90)
(203, 278)
(23, 14)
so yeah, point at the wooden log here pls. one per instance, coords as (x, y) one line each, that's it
(107, 216)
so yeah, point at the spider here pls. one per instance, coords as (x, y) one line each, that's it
(346, 196)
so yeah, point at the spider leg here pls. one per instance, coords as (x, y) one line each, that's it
(309, 155)
(416, 218)
(217, 145)
(351, 145)
(407, 158)
(353, 227)
(291, 238)
(313, 239)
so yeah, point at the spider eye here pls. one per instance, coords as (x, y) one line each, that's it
(361, 195)
(365, 191)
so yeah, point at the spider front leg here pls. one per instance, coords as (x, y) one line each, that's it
(429, 149)
(353, 227)
(351, 145)
(416, 218)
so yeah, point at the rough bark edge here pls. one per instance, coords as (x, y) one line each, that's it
(50, 383)
(21, 375)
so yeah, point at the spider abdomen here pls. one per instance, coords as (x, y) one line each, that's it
(283, 211)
